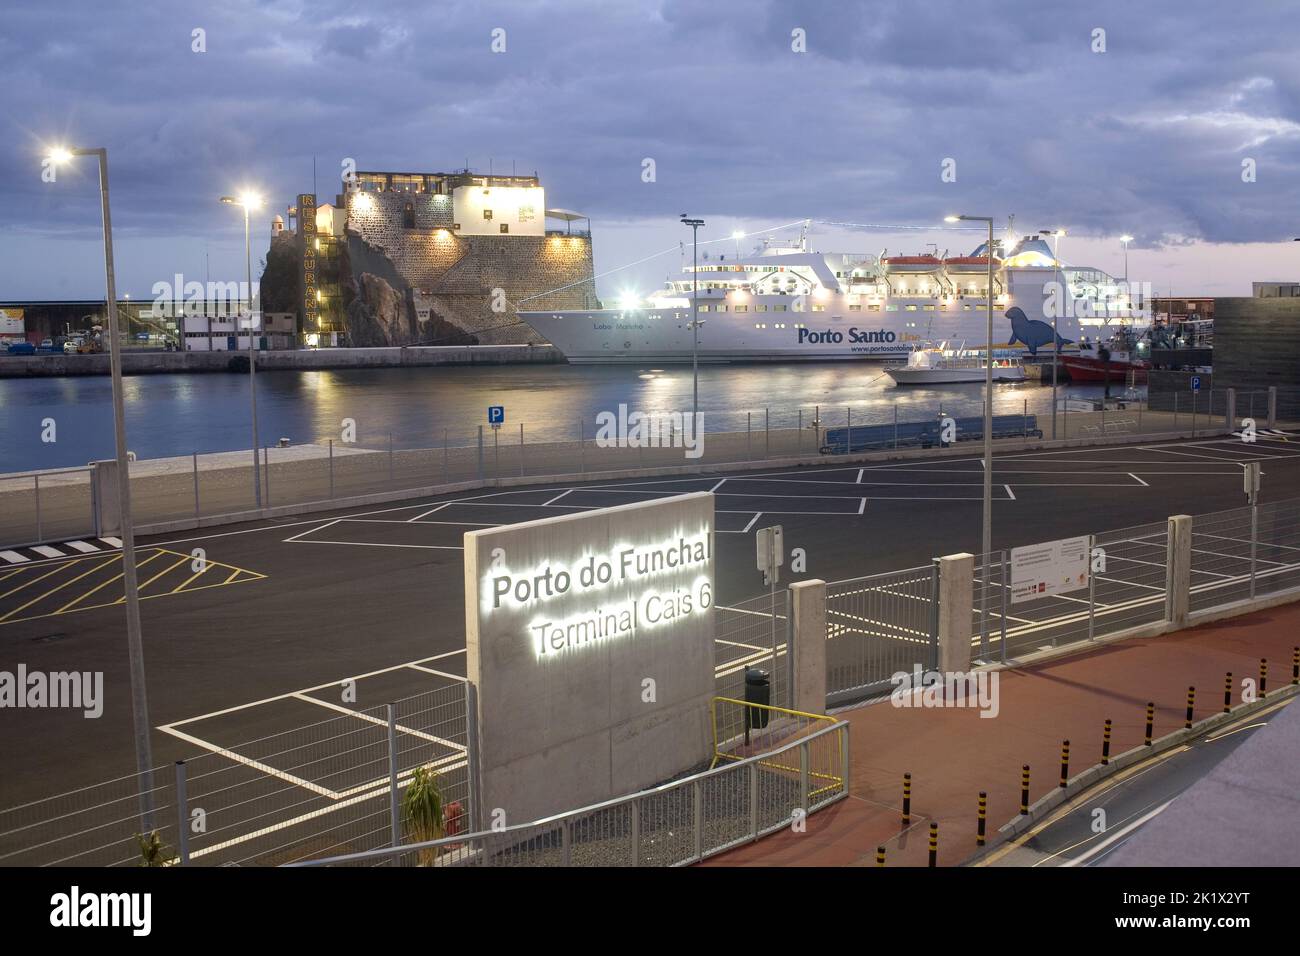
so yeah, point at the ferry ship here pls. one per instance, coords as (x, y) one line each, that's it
(783, 303)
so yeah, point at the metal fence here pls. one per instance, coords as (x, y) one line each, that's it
(324, 468)
(316, 790)
(877, 626)
(679, 823)
(753, 634)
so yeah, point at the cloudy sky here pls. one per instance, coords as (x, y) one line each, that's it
(1148, 137)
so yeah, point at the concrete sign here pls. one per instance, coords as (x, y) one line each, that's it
(590, 639)
(1054, 567)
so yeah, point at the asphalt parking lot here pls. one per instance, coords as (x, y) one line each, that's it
(255, 635)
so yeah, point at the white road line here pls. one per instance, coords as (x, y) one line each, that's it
(557, 497)
(81, 546)
(46, 551)
(13, 557)
(862, 506)
(327, 524)
(430, 670)
(860, 471)
(429, 512)
(376, 544)
(757, 515)
(369, 718)
(1118, 835)
(1010, 494)
(718, 485)
(1138, 480)
(255, 764)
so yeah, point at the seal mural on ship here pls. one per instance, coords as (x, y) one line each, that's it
(1031, 332)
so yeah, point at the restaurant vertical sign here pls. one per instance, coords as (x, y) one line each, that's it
(307, 230)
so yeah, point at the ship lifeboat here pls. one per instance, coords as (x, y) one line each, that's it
(970, 264)
(916, 264)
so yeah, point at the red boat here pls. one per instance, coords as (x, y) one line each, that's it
(1120, 360)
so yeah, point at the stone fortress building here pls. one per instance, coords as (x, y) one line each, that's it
(427, 259)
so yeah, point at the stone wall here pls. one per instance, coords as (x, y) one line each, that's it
(452, 277)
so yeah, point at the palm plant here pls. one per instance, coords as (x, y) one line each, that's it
(153, 852)
(422, 811)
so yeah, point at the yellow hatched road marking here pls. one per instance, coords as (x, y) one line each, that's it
(54, 590)
(99, 562)
(116, 577)
(171, 567)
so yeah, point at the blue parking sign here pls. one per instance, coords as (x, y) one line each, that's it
(496, 414)
(1196, 383)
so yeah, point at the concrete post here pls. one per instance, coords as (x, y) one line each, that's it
(956, 602)
(108, 513)
(1178, 570)
(1272, 406)
(1230, 410)
(808, 650)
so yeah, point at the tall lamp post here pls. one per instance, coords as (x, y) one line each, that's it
(134, 642)
(986, 539)
(695, 316)
(1126, 240)
(1056, 336)
(250, 201)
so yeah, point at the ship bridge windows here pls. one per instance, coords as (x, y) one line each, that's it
(740, 308)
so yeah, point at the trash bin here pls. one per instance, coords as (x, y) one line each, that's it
(758, 690)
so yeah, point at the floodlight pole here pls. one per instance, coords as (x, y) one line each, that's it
(695, 317)
(134, 641)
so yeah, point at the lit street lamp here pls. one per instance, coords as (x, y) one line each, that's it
(695, 317)
(738, 235)
(1126, 240)
(250, 201)
(134, 641)
(1056, 338)
(986, 540)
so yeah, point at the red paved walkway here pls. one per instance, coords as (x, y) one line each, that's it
(952, 754)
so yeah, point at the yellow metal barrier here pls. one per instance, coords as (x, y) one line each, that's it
(740, 732)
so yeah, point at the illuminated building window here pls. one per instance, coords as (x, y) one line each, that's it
(505, 227)
(741, 308)
(760, 308)
(704, 308)
(819, 308)
(855, 308)
(891, 308)
(487, 213)
(873, 308)
(778, 308)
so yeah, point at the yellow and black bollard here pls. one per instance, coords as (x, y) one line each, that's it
(880, 856)
(1105, 743)
(1065, 762)
(1024, 790)
(984, 812)
(907, 799)
(1227, 693)
(934, 844)
(1191, 703)
(1295, 665)
(1151, 720)
(1263, 677)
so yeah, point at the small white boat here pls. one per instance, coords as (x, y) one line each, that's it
(945, 366)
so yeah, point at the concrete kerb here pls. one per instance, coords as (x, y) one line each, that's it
(1099, 772)
(428, 491)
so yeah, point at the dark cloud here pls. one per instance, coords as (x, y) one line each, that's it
(1147, 138)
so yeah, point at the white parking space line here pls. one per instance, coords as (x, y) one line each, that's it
(860, 471)
(437, 673)
(559, 496)
(1138, 480)
(718, 485)
(757, 515)
(371, 719)
(862, 506)
(429, 512)
(1010, 494)
(81, 546)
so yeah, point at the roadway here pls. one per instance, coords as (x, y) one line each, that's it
(241, 639)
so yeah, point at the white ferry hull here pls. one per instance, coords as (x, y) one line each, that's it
(942, 376)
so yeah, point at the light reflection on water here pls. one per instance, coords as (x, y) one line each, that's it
(173, 415)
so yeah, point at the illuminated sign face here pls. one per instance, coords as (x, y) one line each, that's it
(623, 592)
(590, 639)
(307, 229)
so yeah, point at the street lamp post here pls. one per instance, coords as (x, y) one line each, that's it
(250, 201)
(1126, 240)
(695, 316)
(986, 539)
(1056, 336)
(134, 640)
